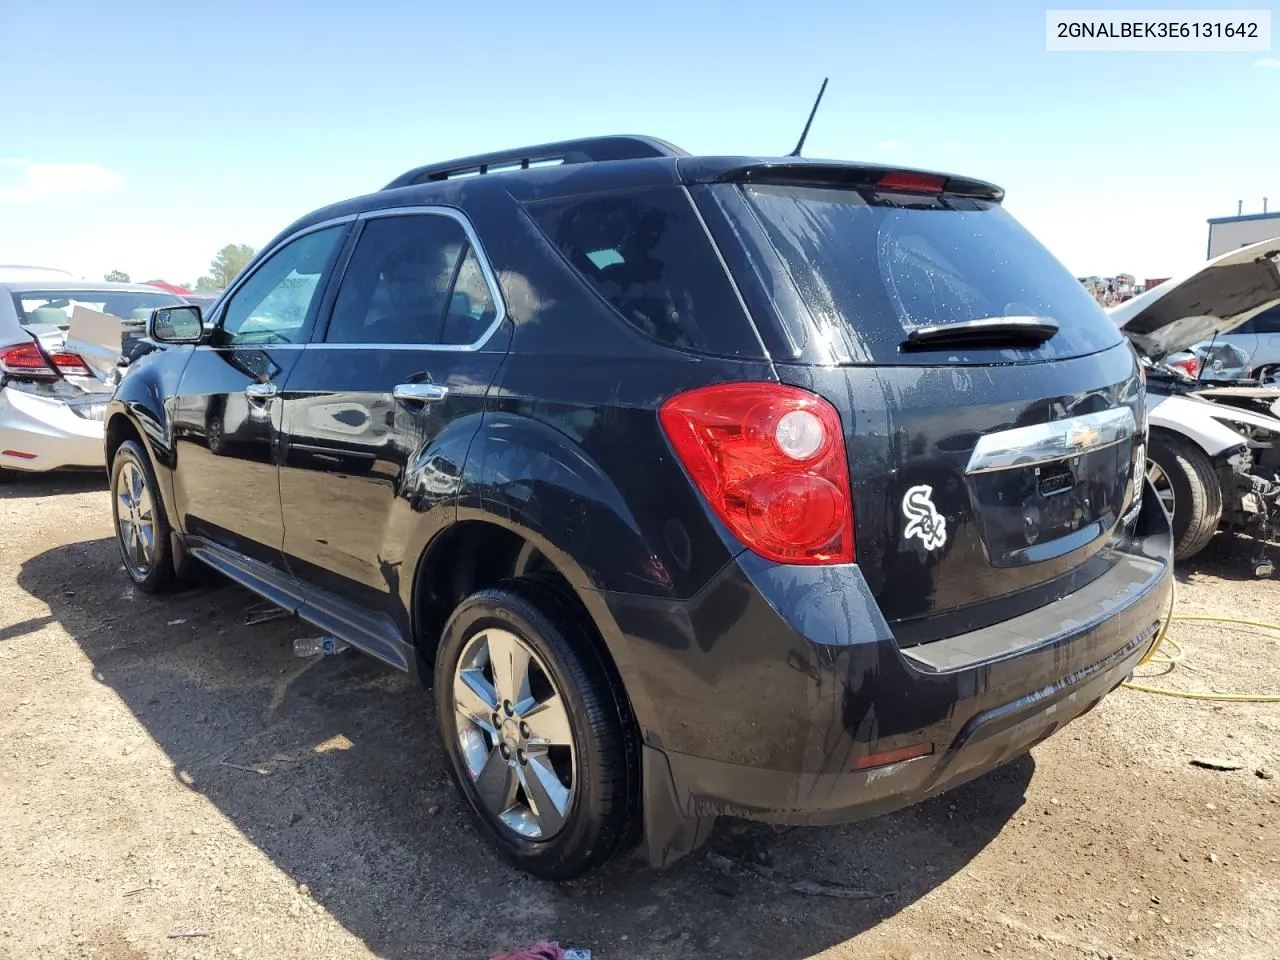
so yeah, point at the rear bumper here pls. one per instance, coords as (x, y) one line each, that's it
(765, 696)
(38, 434)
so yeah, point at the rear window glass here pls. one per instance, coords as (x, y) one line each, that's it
(649, 256)
(54, 307)
(872, 270)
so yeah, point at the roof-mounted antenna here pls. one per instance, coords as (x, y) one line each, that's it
(821, 91)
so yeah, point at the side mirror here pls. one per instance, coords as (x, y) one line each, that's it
(179, 324)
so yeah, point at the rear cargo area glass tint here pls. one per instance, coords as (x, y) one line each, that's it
(871, 268)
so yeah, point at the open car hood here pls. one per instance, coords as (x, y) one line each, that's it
(1213, 299)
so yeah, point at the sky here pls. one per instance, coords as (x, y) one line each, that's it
(144, 136)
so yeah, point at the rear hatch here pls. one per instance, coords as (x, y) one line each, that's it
(993, 413)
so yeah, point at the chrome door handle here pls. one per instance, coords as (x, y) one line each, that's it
(420, 392)
(261, 391)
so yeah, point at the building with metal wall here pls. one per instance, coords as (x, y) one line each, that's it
(1231, 233)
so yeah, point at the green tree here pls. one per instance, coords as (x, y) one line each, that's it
(205, 285)
(116, 276)
(228, 263)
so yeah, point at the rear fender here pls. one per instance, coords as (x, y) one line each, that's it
(524, 475)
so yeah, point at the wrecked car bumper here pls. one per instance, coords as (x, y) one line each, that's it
(39, 433)
(800, 708)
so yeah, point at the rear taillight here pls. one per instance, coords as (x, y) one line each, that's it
(1189, 366)
(70, 365)
(770, 459)
(26, 360)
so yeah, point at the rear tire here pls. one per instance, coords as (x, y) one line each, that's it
(142, 526)
(1197, 494)
(590, 782)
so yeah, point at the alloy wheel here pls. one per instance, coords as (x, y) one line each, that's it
(1163, 487)
(514, 732)
(135, 519)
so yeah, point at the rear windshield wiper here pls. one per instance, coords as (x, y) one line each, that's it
(985, 331)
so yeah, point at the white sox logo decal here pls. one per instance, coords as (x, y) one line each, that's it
(923, 519)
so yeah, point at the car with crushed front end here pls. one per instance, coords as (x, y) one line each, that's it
(696, 486)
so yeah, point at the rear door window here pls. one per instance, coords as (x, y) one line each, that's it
(872, 269)
(647, 254)
(413, 279)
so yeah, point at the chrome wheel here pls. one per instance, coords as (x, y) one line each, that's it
(1160, 480)
(514, 733)
(135, 519)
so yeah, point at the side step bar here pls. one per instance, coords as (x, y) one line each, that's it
(375, 634)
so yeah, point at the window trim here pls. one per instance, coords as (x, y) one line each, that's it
(318, 335)
(219, 313)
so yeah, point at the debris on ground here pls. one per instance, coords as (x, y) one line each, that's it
(545, 950)
(314, 646)
(261, 771)
(1265, 773)
(730, 866)
(1216, 763)
(264, 612)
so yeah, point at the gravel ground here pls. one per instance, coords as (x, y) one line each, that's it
(177, 784)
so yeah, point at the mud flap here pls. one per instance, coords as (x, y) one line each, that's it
(669, 833)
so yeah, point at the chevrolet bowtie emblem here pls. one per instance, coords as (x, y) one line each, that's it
(1083, 437)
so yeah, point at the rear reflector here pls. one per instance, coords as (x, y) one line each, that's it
(26, 360)
(893, 756)
(906, 182)
(20, 454)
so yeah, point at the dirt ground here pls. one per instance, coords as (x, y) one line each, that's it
(175, 783)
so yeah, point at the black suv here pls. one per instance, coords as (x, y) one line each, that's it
(785, 489)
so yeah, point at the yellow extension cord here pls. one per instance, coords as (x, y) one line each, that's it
(1179, 654)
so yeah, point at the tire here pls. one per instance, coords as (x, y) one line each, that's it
(597, 813)
(1267, 373)
(132, 478)
(1197, 494)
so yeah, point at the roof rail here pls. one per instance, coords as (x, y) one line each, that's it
(590, 150)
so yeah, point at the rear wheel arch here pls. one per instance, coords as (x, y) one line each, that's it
(473, 554)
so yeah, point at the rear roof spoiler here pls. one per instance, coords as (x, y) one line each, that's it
(800, 172)
(590, 150)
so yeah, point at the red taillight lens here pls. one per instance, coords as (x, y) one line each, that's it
(770, 460)
(26, 360)
(907, 182)
(70, 365)
(1189, 366)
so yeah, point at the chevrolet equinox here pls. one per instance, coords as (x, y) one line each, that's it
(777, 488)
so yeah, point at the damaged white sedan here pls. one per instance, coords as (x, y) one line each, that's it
(1214, 445)
(61, 342)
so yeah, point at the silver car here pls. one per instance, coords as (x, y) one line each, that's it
(52, 395)
(1259, 340)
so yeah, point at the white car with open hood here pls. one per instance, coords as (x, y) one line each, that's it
(1214, 446)
(54, 388)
